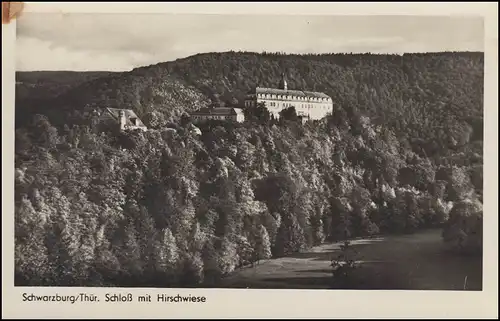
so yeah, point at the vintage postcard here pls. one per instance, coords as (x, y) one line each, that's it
(204, 160)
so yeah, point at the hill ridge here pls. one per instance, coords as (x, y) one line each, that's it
(414, 94)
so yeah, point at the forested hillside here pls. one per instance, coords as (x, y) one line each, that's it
(49, 84)
(402, 151)
(35, 90)
(432, 101)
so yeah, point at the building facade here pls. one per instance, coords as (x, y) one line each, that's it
(218, 113)
(308, 104)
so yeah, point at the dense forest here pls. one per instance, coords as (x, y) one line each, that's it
(48, 84)
(177, 206)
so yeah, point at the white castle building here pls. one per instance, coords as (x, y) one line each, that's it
(308, 104)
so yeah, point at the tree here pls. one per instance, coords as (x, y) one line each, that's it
(31, 255)
(459, 184)
(360, 221)
(234, 102)
(263, 246)
(44, 134)
(476, 176)
(259, 114)
(185, 120)
(192, 270)
(129, 254)
(211, 269)
(289, 114)
(344, 265)
(64, 239)
(464, 229)
(271, 223)
(317, 230)
(245, 251)
(290, 238)
(168, 253)
(228, 256)
(217, 102)
(154, 119)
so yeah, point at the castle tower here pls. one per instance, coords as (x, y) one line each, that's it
(122, 119)
(283, 85)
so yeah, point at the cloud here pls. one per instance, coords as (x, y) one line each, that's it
(36, 54)
(124, 41)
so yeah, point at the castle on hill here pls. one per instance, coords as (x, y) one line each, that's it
(308, 104)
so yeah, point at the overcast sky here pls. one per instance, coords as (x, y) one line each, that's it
(48, 41)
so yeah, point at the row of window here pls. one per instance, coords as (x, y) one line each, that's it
(274, 104)
(303, 106)
(285, 105)
(211, 117)
(271, 96)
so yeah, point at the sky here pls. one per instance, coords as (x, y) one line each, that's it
(121, 42)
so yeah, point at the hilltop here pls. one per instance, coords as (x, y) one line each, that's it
(431, 100)
(49, 84)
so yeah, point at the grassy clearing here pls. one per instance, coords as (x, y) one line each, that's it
(413, 262)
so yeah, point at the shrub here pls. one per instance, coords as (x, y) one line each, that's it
(463, 231)
(343, 265)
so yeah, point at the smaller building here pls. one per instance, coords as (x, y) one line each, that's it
(218, 113)
(126, 119)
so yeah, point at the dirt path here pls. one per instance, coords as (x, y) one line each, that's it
(417, 261)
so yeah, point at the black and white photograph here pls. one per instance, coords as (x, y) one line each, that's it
(244, 151)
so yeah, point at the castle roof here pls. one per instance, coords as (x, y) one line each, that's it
(299, 93)
(222, 111)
